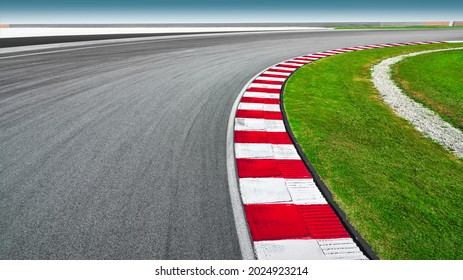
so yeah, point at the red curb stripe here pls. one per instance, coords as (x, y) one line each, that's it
(373, 46)
(351, 49)
(260, 100)
(322, 221)
(258, 114)
(295, 60)
(262, 137)
(277, 221)
(312, 57)
(290, 221)
(287, 66)
(272, 168)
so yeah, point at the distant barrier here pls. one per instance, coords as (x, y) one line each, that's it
(438, 23)
(254, 24)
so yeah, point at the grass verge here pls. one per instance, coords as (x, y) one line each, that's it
(401, 191)
(435, 80)
(394, 27)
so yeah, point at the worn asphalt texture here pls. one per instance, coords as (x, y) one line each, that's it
(119, 152)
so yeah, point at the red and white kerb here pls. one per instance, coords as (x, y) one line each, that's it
(287, 215)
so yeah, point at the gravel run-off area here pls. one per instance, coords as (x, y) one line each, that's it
(424, 119)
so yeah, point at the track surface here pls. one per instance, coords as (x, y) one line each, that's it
(119, 152)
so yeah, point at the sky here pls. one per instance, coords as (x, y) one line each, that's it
(205, 11)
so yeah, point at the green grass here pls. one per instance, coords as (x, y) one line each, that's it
(435, 80)
(394, 27)
(401, 191)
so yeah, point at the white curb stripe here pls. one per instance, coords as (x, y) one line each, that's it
(341, 248)
(304, 191)
(264, 190)
(259, 107)
(336, 51)
(289, 250)
(373, 46)
(262, 95)
(254, 151)
(275, 151)
(279, 190)
(342, 50)
(307, 250)
(258, 85)
(245, 124)
(252, 91)
(283, 151)
(301, 192)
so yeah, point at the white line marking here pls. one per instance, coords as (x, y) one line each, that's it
(117, 42)
(242, 230)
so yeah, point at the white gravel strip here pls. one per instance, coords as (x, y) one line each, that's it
(425, 120)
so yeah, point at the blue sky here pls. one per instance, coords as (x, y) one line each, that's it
(152, 11)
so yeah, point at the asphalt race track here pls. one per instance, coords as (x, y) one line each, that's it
(119, 151)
